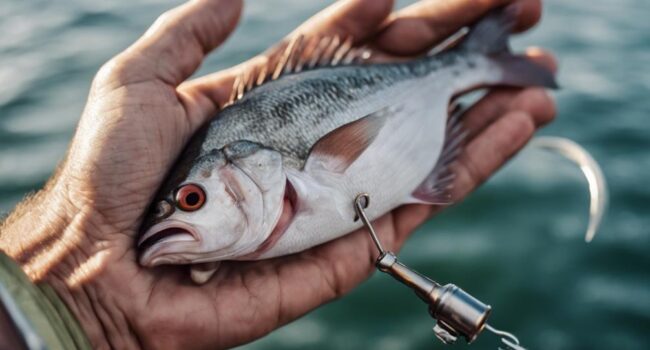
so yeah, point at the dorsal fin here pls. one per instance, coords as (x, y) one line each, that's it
(450, 42)
(297, 55)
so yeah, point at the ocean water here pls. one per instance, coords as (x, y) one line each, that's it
(516, 243)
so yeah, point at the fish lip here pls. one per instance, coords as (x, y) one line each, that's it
(167, 225)
(161, 227)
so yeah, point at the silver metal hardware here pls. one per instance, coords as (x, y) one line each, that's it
(458, 314)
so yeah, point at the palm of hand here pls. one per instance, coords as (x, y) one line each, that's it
(136, 147)
(133, 129)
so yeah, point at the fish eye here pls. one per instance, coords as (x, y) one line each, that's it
(190, 197)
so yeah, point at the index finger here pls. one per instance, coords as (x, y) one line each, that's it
(416, 28)
(357, 19)
(174, 46)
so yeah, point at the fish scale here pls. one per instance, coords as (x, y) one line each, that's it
(290, 115)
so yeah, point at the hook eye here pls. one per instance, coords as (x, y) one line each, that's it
(361, 202)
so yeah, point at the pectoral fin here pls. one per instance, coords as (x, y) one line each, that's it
(202, 272)
(337, 150)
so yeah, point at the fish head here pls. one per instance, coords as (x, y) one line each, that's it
(224, 207)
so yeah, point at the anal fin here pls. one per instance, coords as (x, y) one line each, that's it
(436, 188)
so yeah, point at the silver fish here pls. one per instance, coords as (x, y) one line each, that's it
(275, 172)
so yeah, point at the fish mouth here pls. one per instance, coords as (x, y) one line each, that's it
(161, 235)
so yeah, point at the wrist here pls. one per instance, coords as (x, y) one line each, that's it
(55, 242)
(34, 233)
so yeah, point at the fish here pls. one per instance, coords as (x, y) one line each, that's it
(275, 171)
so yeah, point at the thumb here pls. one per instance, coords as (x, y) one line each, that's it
(175, 45)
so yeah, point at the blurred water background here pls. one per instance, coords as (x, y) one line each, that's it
(516, 243)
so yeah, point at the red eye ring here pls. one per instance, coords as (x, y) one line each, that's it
(190, 197)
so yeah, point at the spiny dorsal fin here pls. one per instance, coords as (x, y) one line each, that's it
(297, 55)
(450, 42)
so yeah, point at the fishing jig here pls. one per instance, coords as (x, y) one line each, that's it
(456, 311)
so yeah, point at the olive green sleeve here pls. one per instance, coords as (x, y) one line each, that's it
(41, 317)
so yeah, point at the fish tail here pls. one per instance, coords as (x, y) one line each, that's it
(489, 38)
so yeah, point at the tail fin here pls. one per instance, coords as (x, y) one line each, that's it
(594, 175)
(489, 36)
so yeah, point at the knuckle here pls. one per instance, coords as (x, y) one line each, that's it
(477, 174)
(376, 10)
(171, 22)
(166, 19)
(543, 57)
(119, 71)
(109, 72)
(523, 127)
(551, 109)
(537, 102)
(544, 109)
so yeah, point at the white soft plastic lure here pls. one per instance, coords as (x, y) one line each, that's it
(590, 168)
(275, 171)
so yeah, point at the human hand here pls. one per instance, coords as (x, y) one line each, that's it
(139, 115)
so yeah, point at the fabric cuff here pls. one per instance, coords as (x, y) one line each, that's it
(38, 313)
